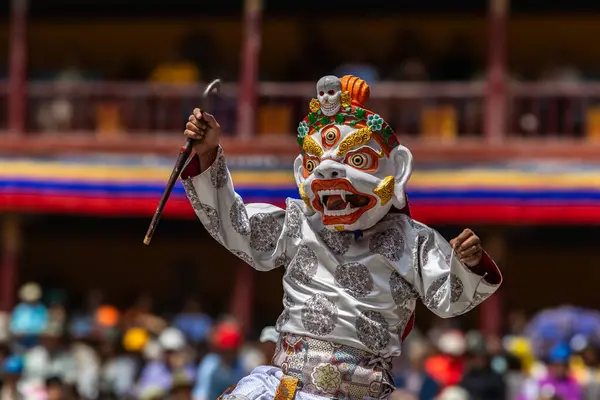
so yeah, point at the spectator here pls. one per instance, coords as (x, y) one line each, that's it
(480, 380)
(83, 321)
(12, 368)
(415, 379)
(55, 389)
(447, 367)
(558, 380)
(182, 387)
(223, 367)
(194, 324)
(141, 315)
(159, 373)
(57, 115)
(87, 367)
(30, 316)
(47, 360)
(454, 393)
(119, 368)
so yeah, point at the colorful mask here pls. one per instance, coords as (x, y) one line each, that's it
(352, 169)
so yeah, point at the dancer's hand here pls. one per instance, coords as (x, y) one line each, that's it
(467, 246)
(206, 132)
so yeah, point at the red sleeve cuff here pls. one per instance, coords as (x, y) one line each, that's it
(488, 268)
(192, 169)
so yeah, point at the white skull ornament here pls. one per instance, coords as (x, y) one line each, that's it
(329, 93)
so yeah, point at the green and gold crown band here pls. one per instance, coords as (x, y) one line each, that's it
(341, 102)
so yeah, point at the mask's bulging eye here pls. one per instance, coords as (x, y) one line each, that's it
(331, 92)
(358, 160)
(310, 166)
(321, 93)
(364, 159)
(330, 136)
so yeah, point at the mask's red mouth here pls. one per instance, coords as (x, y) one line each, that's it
(339, 202)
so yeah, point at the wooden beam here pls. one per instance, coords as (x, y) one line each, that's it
(431, 152)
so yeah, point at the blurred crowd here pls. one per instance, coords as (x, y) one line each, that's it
(101, 352)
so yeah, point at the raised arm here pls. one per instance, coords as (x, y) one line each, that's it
(447, 286)
(255, 232)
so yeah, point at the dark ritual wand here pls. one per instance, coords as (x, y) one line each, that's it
(184, 154)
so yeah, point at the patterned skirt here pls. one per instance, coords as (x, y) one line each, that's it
(332, 370)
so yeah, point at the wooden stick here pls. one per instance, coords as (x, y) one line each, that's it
(184, 154)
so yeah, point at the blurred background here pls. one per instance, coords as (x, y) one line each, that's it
(499, 103)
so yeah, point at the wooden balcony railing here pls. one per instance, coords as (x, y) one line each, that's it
(149, 116)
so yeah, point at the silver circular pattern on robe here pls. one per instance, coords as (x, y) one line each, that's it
(355, 278)
(218, 173)
(239, 217)
(188, 185)
(456, 288)
(319, 315)
(425, 245)
(436, 292)
(264, 232)
(214, 225)
(402, 291)
(304, 266)
(337, 242)
(294, 221)
(243, 256)
(373, 330)
(283, 261)
(388, 243)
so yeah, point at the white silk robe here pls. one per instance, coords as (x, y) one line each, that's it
(356, 291)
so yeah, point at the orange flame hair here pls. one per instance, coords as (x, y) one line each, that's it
(357, 88)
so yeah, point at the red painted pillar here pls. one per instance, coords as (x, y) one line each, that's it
(248, 85)
(491, 317)
(243, 294)
(17, 78)
(242, 300)
(497, 78)
(11, 244)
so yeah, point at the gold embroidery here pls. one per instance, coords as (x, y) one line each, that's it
(339, 228)
(303, 196)
(312, 147)
(314, 105)
(326, 377)
(385, 190)
(287, 388)
(354, 140)
(346, 100)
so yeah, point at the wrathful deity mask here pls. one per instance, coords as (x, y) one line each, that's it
(352, 169)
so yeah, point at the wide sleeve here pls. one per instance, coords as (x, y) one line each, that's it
(253, 232)
(447, 287)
